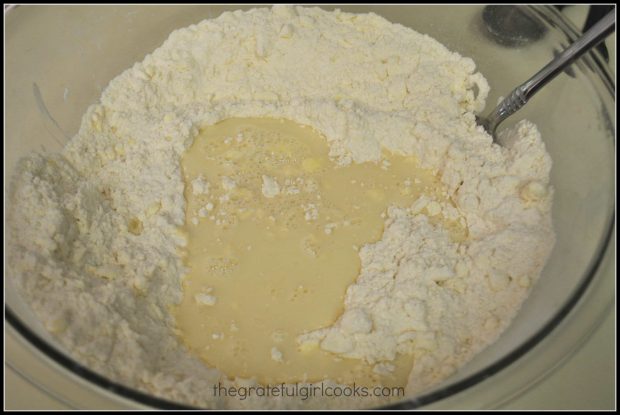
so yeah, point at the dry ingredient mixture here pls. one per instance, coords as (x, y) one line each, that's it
(98, 234)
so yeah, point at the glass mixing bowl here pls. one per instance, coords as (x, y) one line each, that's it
(59, 59)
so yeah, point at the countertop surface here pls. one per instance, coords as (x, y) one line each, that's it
(585, 381)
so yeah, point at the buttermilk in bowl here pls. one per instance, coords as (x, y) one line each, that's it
(283, 199)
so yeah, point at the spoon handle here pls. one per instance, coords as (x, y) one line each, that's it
(521, 94)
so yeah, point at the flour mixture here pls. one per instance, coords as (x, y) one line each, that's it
(288, 197)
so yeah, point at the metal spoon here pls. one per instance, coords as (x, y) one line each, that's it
(521, 94)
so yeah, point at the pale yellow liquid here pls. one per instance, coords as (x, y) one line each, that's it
(274, 273)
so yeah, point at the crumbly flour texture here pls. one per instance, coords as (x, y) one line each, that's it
(93, 244)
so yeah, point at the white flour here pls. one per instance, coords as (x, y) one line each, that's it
(93, 240)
